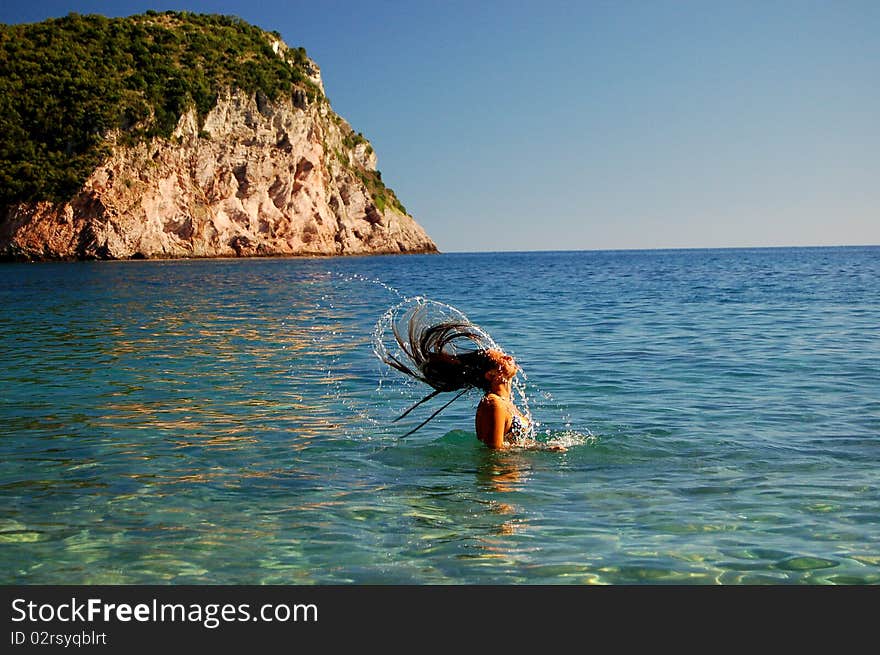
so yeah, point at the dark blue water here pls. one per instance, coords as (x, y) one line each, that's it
(226, 422)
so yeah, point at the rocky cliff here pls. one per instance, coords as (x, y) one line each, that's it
(254, 177)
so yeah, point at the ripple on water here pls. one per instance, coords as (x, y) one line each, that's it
(13, 532)
(805, 563)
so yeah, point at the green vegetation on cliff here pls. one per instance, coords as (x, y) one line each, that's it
(65, 83)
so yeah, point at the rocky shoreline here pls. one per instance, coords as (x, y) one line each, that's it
(258, 178)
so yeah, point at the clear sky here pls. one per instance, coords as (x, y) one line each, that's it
(551, 125)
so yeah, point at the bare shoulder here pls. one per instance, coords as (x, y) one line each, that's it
(492, 402)
(491, 399)
(493, 408)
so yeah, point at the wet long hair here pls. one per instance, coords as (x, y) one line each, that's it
(447, 356)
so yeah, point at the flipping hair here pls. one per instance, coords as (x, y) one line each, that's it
(447, 356)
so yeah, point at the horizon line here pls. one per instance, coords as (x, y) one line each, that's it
(657, 249)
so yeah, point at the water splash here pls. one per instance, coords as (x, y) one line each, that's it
(400, 390)
(356, 277)
(568, 435)
(569, 438)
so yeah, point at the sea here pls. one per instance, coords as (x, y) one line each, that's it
(227, 422)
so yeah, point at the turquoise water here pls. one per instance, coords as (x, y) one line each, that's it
(226, 422)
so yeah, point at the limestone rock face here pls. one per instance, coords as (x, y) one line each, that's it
(258, 178)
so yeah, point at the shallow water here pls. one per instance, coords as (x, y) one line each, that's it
(226, 422)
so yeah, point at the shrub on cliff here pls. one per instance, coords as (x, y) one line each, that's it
(66, 82)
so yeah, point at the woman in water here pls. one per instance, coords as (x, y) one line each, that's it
(458, 356)
(498, 422)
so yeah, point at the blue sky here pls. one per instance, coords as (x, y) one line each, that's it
(551, 125)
